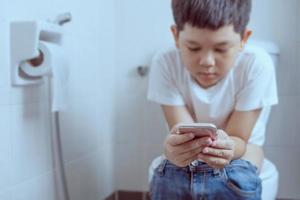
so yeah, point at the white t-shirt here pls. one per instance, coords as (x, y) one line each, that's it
(249, 85)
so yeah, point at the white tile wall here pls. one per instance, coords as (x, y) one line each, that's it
(155, 126)
(282, 145)
(91, 75)
(129, 128)
(91, 177)
(129, 166)
(85, 128)
(268, 26)
(283, 124)
(298, 26)
(287, 161)
(31, 141)
(136, 45)
(6, 195)
(4, 71)
(25, 157)
(5, 148)
(287, 66)
(297, 120)
(298, 61)
(41, 187)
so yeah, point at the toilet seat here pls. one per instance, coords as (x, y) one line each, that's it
(269, 176)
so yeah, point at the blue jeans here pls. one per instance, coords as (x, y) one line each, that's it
(238, 180)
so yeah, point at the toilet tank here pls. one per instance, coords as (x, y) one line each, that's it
(268, 46)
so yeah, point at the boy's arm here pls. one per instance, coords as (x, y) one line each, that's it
(239, 128)
(176, 114)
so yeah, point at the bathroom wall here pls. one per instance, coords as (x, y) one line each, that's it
(298, 48)
(144, 28)
(87, 127)
(282, 145)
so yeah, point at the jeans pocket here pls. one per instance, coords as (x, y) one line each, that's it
(157, 175)
(242, 179)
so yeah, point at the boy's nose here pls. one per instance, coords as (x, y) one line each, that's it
(207, 60)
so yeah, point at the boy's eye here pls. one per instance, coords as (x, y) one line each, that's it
(194, 49)
(221, 50)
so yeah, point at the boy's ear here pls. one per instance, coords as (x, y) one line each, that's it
(245, 38)
(175, 33)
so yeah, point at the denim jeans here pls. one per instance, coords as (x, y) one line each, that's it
(238, 180)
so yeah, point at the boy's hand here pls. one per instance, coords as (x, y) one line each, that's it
(220, 153)
(181, 150)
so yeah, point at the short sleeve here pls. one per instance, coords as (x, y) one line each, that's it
(259, 87)
(162, 87)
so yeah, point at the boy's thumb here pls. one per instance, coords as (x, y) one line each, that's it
(175, 139)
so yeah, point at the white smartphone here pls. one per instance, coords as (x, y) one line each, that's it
(199, 129)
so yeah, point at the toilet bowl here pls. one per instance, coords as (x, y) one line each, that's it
(269, 177)
(269, 174)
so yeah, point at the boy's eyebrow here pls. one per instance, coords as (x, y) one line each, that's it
(223, 43)
(192, 42)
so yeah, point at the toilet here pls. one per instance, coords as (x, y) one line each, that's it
(269, 174)
(269, 177)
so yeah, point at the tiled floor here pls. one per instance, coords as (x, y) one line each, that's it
(135, 195)
(129, 195)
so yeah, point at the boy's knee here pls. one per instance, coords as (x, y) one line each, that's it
(241, 178)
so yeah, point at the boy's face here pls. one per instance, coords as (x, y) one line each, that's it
(209, 54)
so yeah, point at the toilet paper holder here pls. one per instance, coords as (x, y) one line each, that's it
(24, 40)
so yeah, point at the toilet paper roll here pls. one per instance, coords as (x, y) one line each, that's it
(55, 66)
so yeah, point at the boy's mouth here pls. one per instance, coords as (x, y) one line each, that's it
(207, 75)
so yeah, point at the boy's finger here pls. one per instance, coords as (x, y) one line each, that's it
(175, 139)
(214, 162)
(223, 144)
(217, 152)
(190, 156)
(195, 144)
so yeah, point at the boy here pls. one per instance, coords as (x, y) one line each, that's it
(210, 77)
